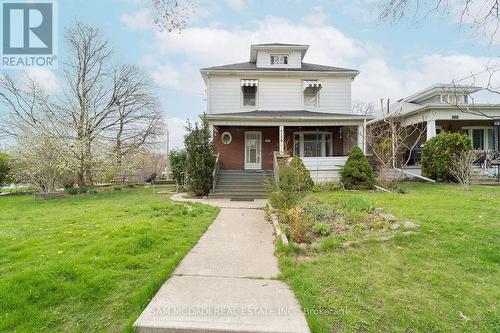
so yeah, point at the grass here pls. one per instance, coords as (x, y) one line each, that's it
(443, 278)
(90, 263)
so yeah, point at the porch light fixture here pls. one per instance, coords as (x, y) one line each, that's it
(226, 138)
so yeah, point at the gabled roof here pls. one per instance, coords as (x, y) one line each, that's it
(306, 67)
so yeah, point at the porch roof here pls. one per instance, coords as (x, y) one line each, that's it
(285, 117)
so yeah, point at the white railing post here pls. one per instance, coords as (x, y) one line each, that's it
(431, 129)
(282, 139)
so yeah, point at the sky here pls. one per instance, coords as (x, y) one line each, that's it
(394, 59)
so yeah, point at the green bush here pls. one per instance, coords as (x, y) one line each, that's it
(4, 168)
(71, 190)
(294, 177)
(319, 212)
(357, 174)
(130, 186)
(323, 229)
(294, 181)
(200, 160)
(439, 152)
(177, 160)
(117, 188)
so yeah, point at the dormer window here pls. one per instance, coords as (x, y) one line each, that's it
(454, 99)
(249, 92)
(311, 93)
(279, 59)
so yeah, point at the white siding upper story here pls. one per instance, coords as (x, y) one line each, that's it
(278, 93)
(279, 74)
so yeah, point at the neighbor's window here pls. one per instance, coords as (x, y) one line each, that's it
(249, 95)
(311, 96)
(279, 59)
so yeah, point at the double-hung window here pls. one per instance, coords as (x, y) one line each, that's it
(311, 93)
(482, 137)
(249, 92)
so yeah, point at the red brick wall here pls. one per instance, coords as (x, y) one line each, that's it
(232, 156)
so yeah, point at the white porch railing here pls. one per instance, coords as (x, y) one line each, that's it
(324, 169)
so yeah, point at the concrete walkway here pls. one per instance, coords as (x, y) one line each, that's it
(224, 283)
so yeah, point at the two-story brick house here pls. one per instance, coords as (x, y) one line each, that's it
(277, 103)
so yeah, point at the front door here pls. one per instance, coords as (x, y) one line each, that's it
(253, 150)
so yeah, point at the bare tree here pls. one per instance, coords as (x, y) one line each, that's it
(103, 107)
(390, 142)
(362, 108)
(461, 168)
(171, 15)
(482, 16)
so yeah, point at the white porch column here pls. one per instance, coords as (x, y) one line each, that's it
(431, 129)
(361, 138)
(282, 139)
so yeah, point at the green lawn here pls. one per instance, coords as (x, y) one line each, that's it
(90, 263)
(443, 278)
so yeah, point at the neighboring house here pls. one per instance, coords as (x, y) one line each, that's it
(276, 104)
(450, 108)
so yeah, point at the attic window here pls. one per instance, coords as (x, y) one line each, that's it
(279, 59)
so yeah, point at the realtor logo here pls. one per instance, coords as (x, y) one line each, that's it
(29, 36)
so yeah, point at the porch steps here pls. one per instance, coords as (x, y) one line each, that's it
(239, 184)
(479, 176)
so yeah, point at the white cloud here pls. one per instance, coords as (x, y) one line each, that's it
(237, 5)
(139, 20)
(43, 77)
(316, 17)
(199, 47)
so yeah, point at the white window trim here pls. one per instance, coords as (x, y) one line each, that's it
(323, 142)
(304, 106)
(485, 135)
(256, 99)
(230, 138)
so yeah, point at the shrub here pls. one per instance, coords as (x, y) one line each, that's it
(71, 190)
(320, 212)
(200, 159)
(294, 181)
(439, 153)
(322, 229)
(356, 203)
(294, 177)
(357, 174)
(130, 186)
(92, 191)
(297, 224)
(117, 188)
(4, 168)
(177, 160)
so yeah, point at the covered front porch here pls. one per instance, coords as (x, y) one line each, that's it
(251, 142)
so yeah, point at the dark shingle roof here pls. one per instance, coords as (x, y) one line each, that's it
(250, 66)
(287, 113)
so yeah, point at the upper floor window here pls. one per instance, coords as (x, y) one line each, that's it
(454, 99)
(279, 59)
(311, 93)
(249, 92)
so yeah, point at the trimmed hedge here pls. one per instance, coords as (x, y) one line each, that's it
(357, 173)
(439, 152)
